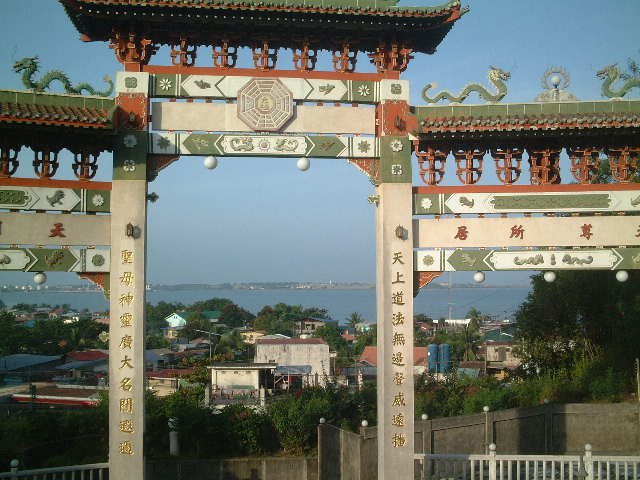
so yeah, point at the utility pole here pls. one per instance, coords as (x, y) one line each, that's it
(638, 379)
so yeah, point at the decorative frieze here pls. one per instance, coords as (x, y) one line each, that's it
(78, 260)
(326, 146)
(54, 198)
(449, 260)
(427, 202)
(543, 159)
(227, 87)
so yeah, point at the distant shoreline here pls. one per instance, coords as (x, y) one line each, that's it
(249, 287)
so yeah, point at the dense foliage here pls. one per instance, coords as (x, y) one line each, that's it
(45, 438)
(583, 320)
(48, 337)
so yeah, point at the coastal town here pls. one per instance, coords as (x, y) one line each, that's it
(257, 240)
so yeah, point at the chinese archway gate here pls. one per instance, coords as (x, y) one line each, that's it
(267, 111)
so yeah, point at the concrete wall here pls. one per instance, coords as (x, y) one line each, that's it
(314, 354)
(611, 429)
(267, 468)
(229, 378)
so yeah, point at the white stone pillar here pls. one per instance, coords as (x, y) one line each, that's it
(394, 291)
(127, 282)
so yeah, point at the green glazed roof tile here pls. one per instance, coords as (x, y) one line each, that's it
(51, 109)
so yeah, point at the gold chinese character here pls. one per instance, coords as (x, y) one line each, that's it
(399, 440)
(126, 298)
(398, 378)
(127, 278)
(397, 319)
(127, 340)
(397, 297)
(398, 420)
(126, 320)
(126, 426)
(126, 256)
(397, 258)
(126, 447)
(399, 278)
(398, 400)
(397, 359)
(126, 384)
(398, 339)
(126, 405)
(126, 362)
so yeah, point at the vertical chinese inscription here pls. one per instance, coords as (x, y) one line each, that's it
(126, 425)
(397, 342)
(394, 300)
(128, 278)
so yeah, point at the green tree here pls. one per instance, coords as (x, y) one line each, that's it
(333, 336)
(281, 317)
(157, 313)
(353, 319)
(365, 339)
(582, 315)
(13, 336)
(234, 316)
(216, 304)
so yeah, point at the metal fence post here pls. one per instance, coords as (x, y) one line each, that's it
(492, 462)
(588, 462)
(485, 409)
(13, 465)
(322, 475)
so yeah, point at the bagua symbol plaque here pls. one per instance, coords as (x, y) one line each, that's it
(265, 105)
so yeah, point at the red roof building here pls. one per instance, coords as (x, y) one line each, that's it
(420, 358)
(87, 356)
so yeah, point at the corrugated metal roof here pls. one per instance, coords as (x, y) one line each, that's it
(293, 370)
(25, 360)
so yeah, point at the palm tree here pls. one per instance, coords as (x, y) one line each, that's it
(354, 319)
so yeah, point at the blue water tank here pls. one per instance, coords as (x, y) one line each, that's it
(433, 357)
(445, 357)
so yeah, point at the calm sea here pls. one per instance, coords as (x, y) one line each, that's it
(500, 302)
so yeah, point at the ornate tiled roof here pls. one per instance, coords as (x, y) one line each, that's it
(364, 22)
(56, 110)
(530, 118)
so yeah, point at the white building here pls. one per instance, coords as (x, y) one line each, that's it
(296, 352)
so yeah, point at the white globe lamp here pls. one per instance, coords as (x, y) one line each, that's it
(478, 277)
(40, 278)
(210, 162)
(622, 275)
(549, 277)
(303, 164)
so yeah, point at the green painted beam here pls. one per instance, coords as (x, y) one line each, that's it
(254, 145)
(79, 260)
(452, 260)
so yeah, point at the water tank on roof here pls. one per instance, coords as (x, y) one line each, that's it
(432, 352)
(445, 358)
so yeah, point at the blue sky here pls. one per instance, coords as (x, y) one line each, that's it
(262, 219)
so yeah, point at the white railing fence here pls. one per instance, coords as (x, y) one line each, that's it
(528, 467)
(93, 471)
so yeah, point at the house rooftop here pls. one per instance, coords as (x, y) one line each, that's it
(290, 341)
(243, 366)
(25, 360)
(370, 356)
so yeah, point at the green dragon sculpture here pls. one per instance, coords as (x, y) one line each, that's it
(29, 66)
(612, 73)
(496, 76)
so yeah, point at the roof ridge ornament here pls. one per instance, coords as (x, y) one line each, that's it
(496, 76)
(30, 65)
(555, 81)
(611, 73)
